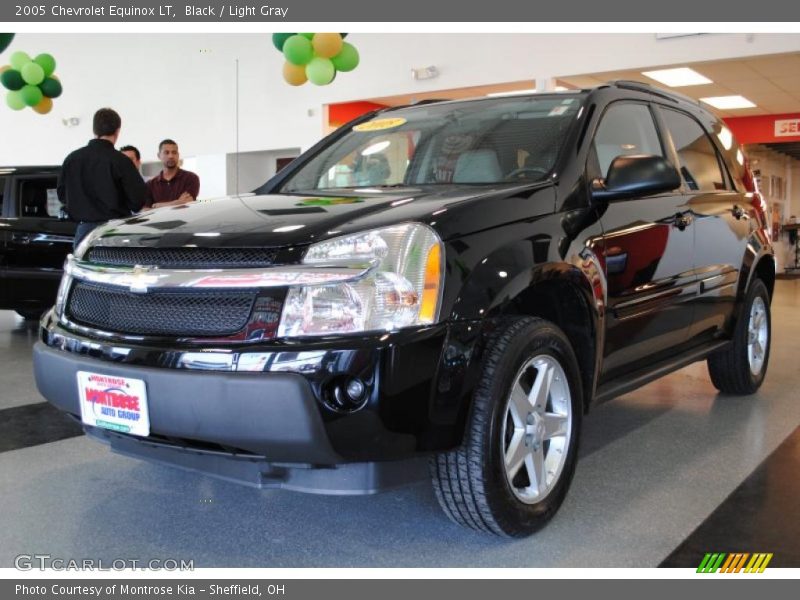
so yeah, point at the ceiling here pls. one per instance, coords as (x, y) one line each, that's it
(772, 82)
(788, 148)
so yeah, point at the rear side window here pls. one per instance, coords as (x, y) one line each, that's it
(626, 129)
(699, 163)
(38, 198)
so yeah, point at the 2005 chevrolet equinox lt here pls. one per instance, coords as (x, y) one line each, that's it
(450, 284)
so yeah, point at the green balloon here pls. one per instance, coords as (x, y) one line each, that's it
(5, 40)
(32, 73)
(12, 80)
(15, 101)
(51, 87)
(31, 95)
(347, 59)
(47, 62)
(320, 71)
(19, 60)
(279, 39)
(298, 50)
(308, 36)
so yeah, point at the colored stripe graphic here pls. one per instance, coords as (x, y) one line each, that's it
(734, 563)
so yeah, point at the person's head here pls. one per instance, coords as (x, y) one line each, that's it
(133, 153)
(106, 124)
(168, 154)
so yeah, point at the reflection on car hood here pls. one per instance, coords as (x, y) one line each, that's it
(297, 219)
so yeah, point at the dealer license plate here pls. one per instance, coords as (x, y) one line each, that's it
(116, 403)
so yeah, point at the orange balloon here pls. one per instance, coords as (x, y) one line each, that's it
(294, 74)
(45, 106)
(327, 45)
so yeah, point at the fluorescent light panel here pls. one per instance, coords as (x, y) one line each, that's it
(679, 77)
(728, 102)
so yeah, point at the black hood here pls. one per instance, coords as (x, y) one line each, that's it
(293, 220)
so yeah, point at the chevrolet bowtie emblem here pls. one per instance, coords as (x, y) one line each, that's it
(138, 280)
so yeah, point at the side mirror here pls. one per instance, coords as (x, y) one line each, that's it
(635, 176)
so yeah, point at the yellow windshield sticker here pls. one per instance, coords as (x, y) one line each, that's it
(379, 124)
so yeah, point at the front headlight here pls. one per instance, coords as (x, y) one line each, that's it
(402, 290)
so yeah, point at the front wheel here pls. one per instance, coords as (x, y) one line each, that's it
(512, 471)
(740, 368)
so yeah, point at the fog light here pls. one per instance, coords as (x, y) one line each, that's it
(355, 390)
(346, 394)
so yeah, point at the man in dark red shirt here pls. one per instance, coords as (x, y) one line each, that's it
(172, 185)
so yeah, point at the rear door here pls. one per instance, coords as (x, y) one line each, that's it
(648, 249)
(722, 219)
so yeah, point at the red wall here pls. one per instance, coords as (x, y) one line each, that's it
(339, 114)
(761, 129)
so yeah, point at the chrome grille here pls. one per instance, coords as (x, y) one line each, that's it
(161, 312)
(183, 258)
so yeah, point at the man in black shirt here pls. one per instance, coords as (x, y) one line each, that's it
(98, 183)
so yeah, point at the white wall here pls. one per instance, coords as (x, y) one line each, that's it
(772, 163)
(183, 85)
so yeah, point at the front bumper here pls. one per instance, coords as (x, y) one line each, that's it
(258, 413)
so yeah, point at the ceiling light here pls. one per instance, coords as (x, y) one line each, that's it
(678, 77)
(728, 102)
(288, 228)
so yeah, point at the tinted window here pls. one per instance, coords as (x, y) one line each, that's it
(625, 129)
(2, 192)
(698, 158)
(38, 198)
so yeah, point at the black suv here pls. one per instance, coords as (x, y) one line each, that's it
(453, 283)
(35, 237)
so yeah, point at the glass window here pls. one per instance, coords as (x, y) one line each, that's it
(38, 198)
(495, 140)
(699, 163)
(626, 129)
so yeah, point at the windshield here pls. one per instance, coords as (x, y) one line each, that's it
(497, 140)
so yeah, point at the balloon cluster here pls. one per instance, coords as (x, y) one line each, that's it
(30, 82)
(315, 57)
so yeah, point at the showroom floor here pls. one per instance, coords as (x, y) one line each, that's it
(657, 464)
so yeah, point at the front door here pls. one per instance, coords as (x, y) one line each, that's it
(648, 249)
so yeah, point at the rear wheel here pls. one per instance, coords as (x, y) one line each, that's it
(740, 369)
(518, 457)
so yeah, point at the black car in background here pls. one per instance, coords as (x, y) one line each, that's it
(35, 238)
(454, 283)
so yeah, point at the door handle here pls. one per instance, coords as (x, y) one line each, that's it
(737, 212)
(682, 220)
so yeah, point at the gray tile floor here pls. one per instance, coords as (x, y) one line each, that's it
(655, 463)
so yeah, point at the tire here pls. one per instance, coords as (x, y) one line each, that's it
(472, 484)
(740, 368)
(30, 314)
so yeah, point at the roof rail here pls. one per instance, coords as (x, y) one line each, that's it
(651, 89)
